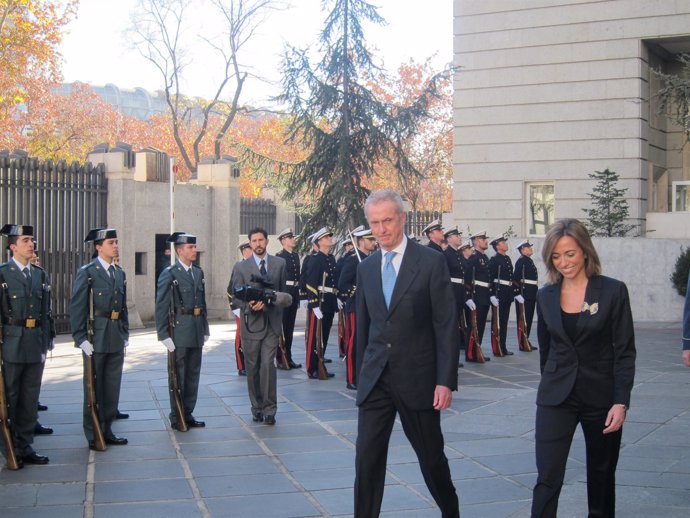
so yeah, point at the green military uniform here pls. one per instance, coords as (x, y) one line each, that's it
(111, 332)
(25, 310)
(184, 289)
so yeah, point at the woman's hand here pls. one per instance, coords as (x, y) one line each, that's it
(615, 418)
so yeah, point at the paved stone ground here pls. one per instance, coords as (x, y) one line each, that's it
(303, 467)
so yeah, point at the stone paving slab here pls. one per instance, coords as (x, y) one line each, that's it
(304, 466)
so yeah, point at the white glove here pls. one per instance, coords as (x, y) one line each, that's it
(318, 313)
(43, 358)
(126, 344)
(520, 299)
(206, 337)
(470, 304)
(494, 300)
(237, 312)
(303, 303)
(340, 304)
(169, 344)
(86, 347)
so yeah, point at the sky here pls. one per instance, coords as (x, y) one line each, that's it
(96, 48)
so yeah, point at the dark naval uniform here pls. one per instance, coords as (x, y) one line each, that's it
(434, 246)
(319, 264)
(478, 289)
(342, 318)
(501, 274)
(111, 333)
(457, 281)
(183, 290)
(347, 286)
(25, 308)
(292, 269)
(525, 281)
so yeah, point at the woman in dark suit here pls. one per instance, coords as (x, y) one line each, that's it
(587, 360)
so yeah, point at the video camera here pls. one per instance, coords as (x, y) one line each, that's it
(263, 293)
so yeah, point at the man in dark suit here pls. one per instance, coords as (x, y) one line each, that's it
(106, 281)
(407, 356)
(181, 288)
(25, 322)
(261, 323)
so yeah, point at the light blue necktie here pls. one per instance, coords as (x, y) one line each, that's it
(388, 278)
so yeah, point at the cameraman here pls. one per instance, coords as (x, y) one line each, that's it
(260, 321)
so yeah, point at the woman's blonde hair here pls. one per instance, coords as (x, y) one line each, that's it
(576, 230)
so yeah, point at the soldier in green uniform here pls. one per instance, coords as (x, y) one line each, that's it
(182, 286)
(25, 311)
(105, 280)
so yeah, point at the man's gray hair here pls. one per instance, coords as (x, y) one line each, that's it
(385, 195)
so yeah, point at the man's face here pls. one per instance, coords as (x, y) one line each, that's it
(258, 243)
(109, 249)
(367, 244)
(502, 247)
(436, 236)
(288, 243)
(23, 249)
(466, 252)
(325, 243)
(186, 253)
(527, 251)
(347, 247)
(387, 224)
(480, 243)
(247, 252)
(454, 240)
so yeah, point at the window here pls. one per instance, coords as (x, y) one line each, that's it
(139, 263)
(540, 208)
(681, 196)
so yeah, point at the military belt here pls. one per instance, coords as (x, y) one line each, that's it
(481, 283)
(328, 289)
(110, 315)
(194, 311)
(505, 283)
(530, 281)
(457, 280)
(28, 323)
(291, 283)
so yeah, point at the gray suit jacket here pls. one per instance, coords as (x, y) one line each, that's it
(255, 324)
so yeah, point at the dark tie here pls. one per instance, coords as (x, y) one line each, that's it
(189, 271)
(389, 276)
(27, 273)
(111, 273)
(262, 267)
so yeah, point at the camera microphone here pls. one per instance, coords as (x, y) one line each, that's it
(283, 299)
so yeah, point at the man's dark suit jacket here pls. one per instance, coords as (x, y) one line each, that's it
(417, 337)
(255, 324)
(600, 364)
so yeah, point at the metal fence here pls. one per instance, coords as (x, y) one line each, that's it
(257, 212)
(62, 202)
(416, 221)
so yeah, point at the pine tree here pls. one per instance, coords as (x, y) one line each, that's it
(345, 129)
(610, 209)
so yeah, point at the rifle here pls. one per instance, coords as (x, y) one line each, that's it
(90, 376)
(474, 348)
(173, 382)
(495, 324)
(523, 339)
(323, 373)
(5, 425)
(283, 352)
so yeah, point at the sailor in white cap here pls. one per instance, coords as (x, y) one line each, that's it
(477, 285)
(434, 232)
(525, 277)
(502, 290)
(292, 270)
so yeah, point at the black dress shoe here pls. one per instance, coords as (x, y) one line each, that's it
(352, 386)
(258, 417)
(116, 441)
(270, 420)
(193, 423)
(39, 429)
(294, 365)
(242, 372)
(41, 408)
(35, 458)
(315, 375)
(120, 415)
(327, 360)
(508, 353)
(460, 365)
(281, 367)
